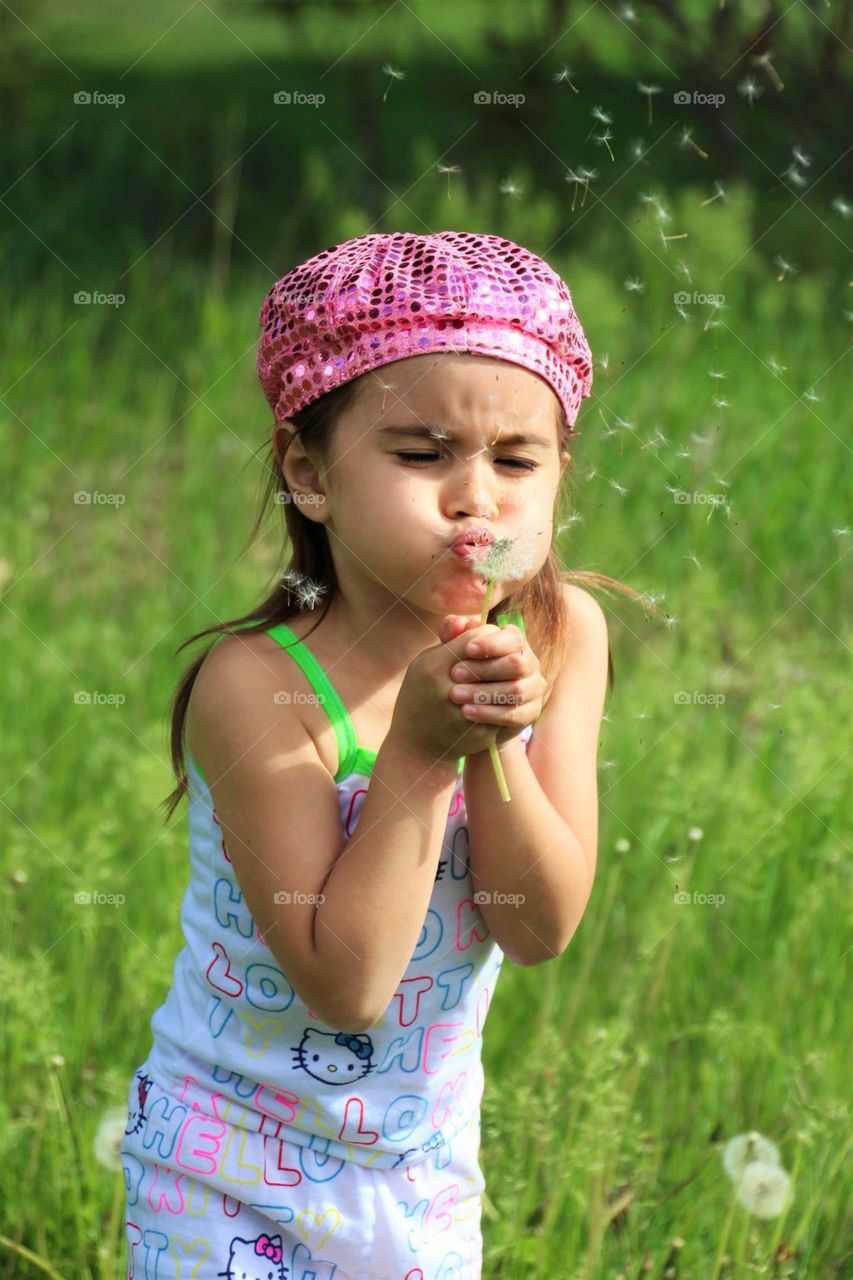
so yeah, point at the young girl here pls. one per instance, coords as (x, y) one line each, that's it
(310, 1104)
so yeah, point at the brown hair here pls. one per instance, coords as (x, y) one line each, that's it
(538, 600)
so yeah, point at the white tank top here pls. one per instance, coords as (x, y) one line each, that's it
(233, 1032)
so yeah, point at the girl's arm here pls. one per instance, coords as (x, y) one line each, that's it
(533, 859)
(341, 918)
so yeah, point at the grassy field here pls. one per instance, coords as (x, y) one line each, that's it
(710, 473)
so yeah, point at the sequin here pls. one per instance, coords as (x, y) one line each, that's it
(378, 298)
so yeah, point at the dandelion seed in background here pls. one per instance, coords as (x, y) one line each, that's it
(448, 169)
(637, 149)
(684, 270)
(634, 285)
(509, 188)
(649, 90)
(801, 157)
(840, 205)
(686, 140)
(749, 89)
(719, 403)
(109, 1137)
(308, 593)
(580, 177)
(599, 114)
(763, 60)
(716, 373)
(605, 138)
(386, 387)
(785, 268)
(719, 194)
(603, 361)
(775, 367)
(695, 834)
(622, 845)
(388, 70)
(566, 75)
(796, 178)
(627, 14)
(691, 555)
(665, 239)
(809, 394)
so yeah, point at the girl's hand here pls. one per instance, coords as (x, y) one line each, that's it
(505, 685)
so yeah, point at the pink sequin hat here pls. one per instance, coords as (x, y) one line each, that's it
(379, 298)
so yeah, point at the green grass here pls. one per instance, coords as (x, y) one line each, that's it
(665, 1029)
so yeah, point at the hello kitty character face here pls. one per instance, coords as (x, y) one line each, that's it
(136, 1116)
(336, 1059)
(258, 1259)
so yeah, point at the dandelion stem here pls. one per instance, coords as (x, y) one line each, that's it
(497, 767)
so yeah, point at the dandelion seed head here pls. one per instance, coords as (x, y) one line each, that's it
(506, 558)
(109, 1137)
(745, 1148)
(764, 1189)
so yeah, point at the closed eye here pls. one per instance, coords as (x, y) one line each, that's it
(518, 463)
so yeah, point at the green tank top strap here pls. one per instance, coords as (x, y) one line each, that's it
(352, 757)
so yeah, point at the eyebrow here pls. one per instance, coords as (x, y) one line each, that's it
(423, 431)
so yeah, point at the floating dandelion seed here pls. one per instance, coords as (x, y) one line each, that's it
(109, 1137)
(581, 177)
(649, 90)
(388, 70)
(448, 169)
(660, 211)
(308, 593)
(797, 178)
(810, 394)
(620, 488)
(719, 403)
(599, 114)
(749, 89)
(841, 206)
(566, 74)
(665, 239)
(692, 556)
(680, 309)
(716, 373)
(775, 367)
(785, 268)
(686, 140)
(509, 188)
(684, 270)
(801, 157)
(637, 149)
(386, 387)
(719, 194)
(683, 453)
(627, 14)
(763, 60)
(604, 361)
(634, 285)
(605, 138)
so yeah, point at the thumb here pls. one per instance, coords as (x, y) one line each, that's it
(454, 624)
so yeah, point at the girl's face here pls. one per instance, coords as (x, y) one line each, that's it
(395, 497)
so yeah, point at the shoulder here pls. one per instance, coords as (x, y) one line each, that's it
(234, 693)
(585, 617)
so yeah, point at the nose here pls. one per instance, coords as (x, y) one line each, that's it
(474, 496)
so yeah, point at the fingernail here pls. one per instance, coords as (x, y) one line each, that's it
(461, 673)
(474, 649)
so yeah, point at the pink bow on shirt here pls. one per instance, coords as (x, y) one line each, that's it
(265, 1247)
